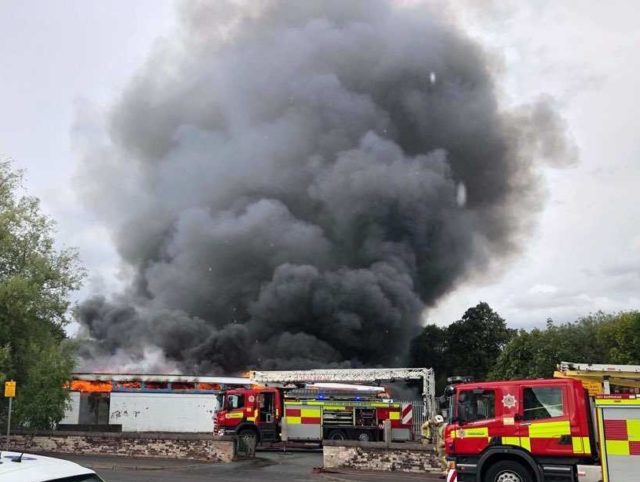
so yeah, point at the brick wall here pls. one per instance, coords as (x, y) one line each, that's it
(402, 457)
(166, 445)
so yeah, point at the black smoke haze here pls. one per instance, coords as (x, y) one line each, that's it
(291, 183)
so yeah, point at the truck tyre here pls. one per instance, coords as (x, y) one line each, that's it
(507, 471)
(336, 435)
(249, 437)
(364, 437)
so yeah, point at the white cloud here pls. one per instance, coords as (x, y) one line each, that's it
(52, 54)
(543, 288)
(587, 242)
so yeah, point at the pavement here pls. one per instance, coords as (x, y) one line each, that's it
(274, 466)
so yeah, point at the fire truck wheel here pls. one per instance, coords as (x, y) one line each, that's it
(337, 435)
(248, 436)
(508, 471)
(364, 437)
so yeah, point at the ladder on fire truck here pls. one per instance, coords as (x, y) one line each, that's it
(366, 375)
(598, 378)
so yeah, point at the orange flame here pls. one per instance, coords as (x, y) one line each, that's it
(89, 386)
(133, 384)
(247, 375)
(208, 386)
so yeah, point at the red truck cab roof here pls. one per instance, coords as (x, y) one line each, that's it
(528, 382)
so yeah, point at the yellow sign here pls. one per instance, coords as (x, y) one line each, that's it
(10, 389)
(592, 385)
(594, 388)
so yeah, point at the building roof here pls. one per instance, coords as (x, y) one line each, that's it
(146, 377)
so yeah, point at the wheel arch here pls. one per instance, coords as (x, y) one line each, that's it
(497, 454)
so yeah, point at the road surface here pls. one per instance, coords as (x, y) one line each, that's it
(267, 467)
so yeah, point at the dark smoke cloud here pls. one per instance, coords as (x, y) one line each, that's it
(285, 180)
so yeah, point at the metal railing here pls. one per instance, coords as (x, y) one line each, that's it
(419, 417)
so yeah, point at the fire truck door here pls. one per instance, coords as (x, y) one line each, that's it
(545, 426)
(476, 413)
(266, 416)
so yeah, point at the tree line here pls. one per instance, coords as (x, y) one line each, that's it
(36, 280)
(482, 346)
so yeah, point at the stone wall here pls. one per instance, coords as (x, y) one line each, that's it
(402, 457)
(188, 446)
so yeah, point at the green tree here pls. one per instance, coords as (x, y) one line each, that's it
(36, 280)
(476, 341)
(429, 350)
(597, 338)
(528, 355)
(4, 359)
(620, 336)
(469, 346)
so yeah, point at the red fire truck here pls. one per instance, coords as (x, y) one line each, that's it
(543, 430)
(270, 414)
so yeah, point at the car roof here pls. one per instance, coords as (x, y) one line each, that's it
(37, 468)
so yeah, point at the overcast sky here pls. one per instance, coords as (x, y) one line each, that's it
(584, 253)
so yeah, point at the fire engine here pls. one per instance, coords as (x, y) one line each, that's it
(320, 411)
(547, 429)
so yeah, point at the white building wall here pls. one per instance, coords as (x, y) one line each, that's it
(162, 412)
(72, 412)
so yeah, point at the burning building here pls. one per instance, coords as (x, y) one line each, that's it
(144, 403)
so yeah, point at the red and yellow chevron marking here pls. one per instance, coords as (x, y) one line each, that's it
(537, 433)
(297, 416)
(622, 437)
(619, 432)
(392, 413)
(309, 411)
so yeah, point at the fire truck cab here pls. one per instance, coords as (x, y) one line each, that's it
(251, 413)
(275, 414)
(522, 431)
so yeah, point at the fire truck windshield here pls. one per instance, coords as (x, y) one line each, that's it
(234, 401)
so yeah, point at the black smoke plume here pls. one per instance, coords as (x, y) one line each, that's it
(292, 182)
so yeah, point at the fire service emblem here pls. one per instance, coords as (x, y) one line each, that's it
(509, 401)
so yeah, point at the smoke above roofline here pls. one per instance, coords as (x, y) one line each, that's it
(291, 183)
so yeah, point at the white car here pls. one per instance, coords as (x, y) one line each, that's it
(17, 467)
